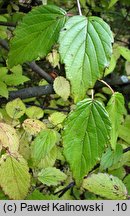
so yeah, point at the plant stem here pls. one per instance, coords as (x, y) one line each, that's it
(126, 149)
(4, 44)
(64, 190)
(79, 8)
(35, 91)
(2, 23)
(40, 71)
(50, 108)
(107, 86)
(92, 90)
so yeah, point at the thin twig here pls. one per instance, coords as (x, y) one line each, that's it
(127, 43)
(50, 108)
(41, 72)
(107, 86)
(30, 92)
(126, 149)
(57, 109)
(79, 8)
(10, 24)
(4, 44)
(64, 190)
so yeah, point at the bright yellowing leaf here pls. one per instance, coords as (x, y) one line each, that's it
(62, 87)
(33, 126)
(14, 176)
(34, 112)
(105, 185)
(16, 108)
(8, 138)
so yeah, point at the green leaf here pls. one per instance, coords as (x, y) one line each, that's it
(3, 196)
(14, 79)
(61, 102)
(57, 118)
(33, 126)
(49, 159)
(120, 172)
(62, 87)
(101, 96)
(111, 66)
(51, 176)
(125, 52)
(124, 130)
(115, 108)
(127, 121)
(24, 144)
(115, 56)
(127, 68)
(54, 58)
(86, 132)
(34, 112)
(8, 120)
(8, 137)
(14, 176)
(110, 157)
(124, 133)
(36, 34)
(3, 90)
(106, 90)
(85, 49)
(3, 72)
(36, 195)
(127, 182)
(43, 144)
(15, 109)
(105, 185)
(112, 3)
(124, 160)
(3, 29)
(17, 70)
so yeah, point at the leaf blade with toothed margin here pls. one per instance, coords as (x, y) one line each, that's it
(51, 176)
(43, 144)
(106, 185)
(85, 49)
(86, 132)
(8, 138)
(36, 34)
(14, 177)
(115, 108)
(62, 87)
